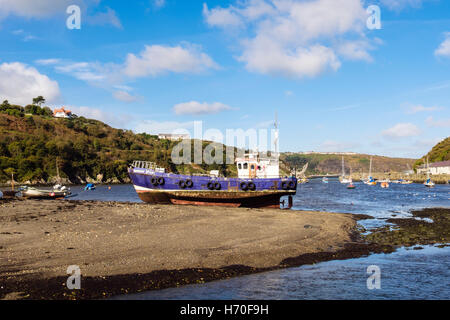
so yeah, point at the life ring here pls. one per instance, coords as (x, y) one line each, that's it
(244, 186)
(292, 185)
(182, 184)
(210, 185)
(154, 181)
(161, 181)
(189, 183)
(284, 185)
(251, 186)
(217, 186)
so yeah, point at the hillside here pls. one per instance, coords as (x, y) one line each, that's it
(440, 152)
(320, 164)
(33, 143)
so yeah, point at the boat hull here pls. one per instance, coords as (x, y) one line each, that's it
(266, 193)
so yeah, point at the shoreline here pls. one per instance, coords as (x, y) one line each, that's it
(124, 248)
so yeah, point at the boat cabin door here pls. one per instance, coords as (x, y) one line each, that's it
(252, 170)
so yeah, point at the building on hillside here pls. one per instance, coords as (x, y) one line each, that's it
(62, 113)
(442, 167)
(173, 137)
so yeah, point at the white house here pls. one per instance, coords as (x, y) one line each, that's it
(442, 167)
(62, 113)
(173, 137)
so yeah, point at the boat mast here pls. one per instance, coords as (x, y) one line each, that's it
(57, 171)
(343, 170)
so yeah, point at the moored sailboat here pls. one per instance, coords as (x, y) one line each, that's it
(429, 183)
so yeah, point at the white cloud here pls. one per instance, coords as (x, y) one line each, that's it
(444, 48)
(296, 38)
(46, 62)
(402, 130)
(20, 83)
(194, 107)
(105, 18)
(155, 127)
(441, 123)
(47, 8)
(355, 50)
(421, 108)
(265, 56)
(33, 8)
(158, 59)
(158, 4)
(124, 96)
(221, 17)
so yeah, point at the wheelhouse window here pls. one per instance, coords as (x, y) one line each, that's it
(239, 166)
(252, 167)
(246, 165)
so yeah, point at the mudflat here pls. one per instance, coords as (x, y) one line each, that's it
(40, 239)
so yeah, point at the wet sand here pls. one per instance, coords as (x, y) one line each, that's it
(129, 247)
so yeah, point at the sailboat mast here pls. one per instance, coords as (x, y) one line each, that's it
(276, 138)
(343, 170)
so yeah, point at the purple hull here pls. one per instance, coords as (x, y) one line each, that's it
(166, 188)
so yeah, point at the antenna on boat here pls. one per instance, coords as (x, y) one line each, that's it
(275, 142)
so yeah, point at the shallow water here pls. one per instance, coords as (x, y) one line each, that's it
(405, 274)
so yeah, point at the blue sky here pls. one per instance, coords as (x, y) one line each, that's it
(156, 66)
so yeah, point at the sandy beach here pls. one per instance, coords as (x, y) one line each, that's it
(40, 239)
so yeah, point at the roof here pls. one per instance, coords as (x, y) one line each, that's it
(440, 164)
(62, 110)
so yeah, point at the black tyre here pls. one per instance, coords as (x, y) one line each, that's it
(251, 186)
(210, 185)
(189, 183)
(244, 186)
(292, 185)
(217, 186)
(154, 181)
(284, 185)
(161, 181)
(182, 184)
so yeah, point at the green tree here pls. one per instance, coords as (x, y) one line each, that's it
(38, 100)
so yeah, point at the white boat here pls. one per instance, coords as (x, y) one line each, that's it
(325, 180)
(429, 183)
(370, 180)
(34, 193)
(343, 179)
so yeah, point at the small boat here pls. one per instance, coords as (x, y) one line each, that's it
(370, 180)
(325, 180)
(34, 193)
(89, 187)
(351, 186)
(429, 183)
(343, 179)
(385, 184)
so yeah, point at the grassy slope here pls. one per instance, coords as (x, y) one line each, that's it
(84, 149)
(440, 152)
(332, 164)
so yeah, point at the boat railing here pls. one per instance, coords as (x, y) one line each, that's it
(144, 165)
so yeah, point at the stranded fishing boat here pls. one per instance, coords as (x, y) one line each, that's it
(58, 192)
(258, 185)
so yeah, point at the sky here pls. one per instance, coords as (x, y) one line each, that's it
(337, 81)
